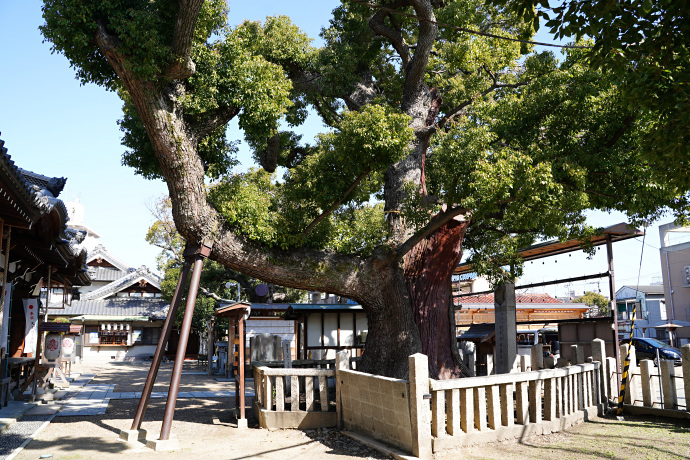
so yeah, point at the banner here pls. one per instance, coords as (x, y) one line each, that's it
(5, 316)
(31, 328)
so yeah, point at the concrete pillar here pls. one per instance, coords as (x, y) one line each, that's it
(646, 365)
(685, 356)
(466, 410)
(507, 414)
(612, 379)
(535, 387)
(524, 363)
(438, 414)
(577, 354)
(480, 404)
(549, 362)
(490, 368)
(506, 329)
(522, 403)
(668, 384)
(453, 412)
(632, 393)
(550, 399)
(494, 406)
(562, 362)
(420, 414)
(599, 354)
(342, 363)
(537, 357)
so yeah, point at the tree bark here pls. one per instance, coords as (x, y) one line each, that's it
(428, 270)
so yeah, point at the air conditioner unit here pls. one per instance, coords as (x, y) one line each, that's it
(686, 276)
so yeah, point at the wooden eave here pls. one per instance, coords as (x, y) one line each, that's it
(232, 311)
(618, 232)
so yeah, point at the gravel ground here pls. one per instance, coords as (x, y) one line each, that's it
(17, 433)
(204, 426)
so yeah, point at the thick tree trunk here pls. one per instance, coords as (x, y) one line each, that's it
(428, 270)
(392, 336)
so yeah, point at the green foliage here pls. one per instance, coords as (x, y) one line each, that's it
(646, 45)
(599, 303)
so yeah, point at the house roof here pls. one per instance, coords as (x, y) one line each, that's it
(647, 288)
(519, 298)
(134, 276)
(479, 332)
(101, 252)
(105, 273)
(116, 308)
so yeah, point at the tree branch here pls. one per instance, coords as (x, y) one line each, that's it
(434, 224)
(207, 122)
(335, 205)
(187, 14)
(416, 68)
(396, 39)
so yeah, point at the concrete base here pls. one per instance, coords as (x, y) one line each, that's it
(299, 419)
(133, 435)
(163, 445)
(242, 423)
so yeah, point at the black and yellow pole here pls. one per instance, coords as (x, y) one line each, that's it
(626, 365)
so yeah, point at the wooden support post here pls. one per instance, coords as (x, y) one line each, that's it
(160, 349)
(198, 254)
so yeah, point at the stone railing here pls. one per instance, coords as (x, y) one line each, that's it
(482, 409)
(293, 398)
(659, 390)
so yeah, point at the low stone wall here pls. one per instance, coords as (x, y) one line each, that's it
(376, 406)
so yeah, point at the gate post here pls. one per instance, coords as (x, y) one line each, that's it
(420, 412)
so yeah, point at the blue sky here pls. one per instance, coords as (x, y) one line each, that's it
(54, 126)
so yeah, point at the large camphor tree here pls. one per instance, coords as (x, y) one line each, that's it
(444, 131)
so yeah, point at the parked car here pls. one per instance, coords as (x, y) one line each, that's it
(646, 348)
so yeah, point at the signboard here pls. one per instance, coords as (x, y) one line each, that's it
(93, 337)
(136, 335)
(31, 327)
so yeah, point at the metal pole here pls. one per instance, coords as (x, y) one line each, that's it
(614, 309)
(241, 364)
(181, 348)
(162, 341)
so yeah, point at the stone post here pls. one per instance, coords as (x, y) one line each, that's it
(599, 354)
(420, 416)
(537, 357)
(612, 378)
(668, 383)
(685, 356)
(631, 392)
(342, 361)
(506, 329)
(577, 354)
(524, 363)
(490, 369)
(646, 381)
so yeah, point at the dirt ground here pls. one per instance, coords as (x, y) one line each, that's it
(206, 429)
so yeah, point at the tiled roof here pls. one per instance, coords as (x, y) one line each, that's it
(101, 251)
(105, 273)
(53, 184)
(123, 283)
(153, 308)
(519, 298)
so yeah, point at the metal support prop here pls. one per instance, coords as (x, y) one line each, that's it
(182, 345)
(162, 342)
(614, 308)
(241, 366)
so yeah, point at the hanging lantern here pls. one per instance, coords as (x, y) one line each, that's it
(103, 327)
(109, 325)
(127, 327)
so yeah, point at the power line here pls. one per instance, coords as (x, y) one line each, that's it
(464, 29)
